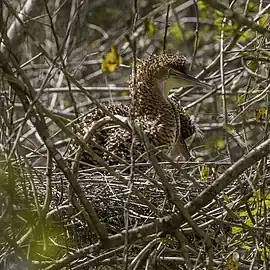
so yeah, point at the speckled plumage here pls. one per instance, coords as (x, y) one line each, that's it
(161, 118)
(156, 112)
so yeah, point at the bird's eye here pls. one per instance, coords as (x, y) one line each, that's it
(170, 71)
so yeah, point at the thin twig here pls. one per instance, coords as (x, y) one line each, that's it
(166, 27)
(196, 41)
(174, 221)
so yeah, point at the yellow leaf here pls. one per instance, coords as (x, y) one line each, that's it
(205, 172)
(150, 27)
(261, 114)
(111, 61)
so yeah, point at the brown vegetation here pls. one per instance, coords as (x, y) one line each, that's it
(60, 59)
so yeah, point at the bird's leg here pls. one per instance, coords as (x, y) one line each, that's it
(180, 147)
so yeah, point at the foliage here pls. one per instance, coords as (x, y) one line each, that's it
(59, 60)
(111, 61)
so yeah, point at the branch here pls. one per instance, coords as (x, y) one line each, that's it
(15, 33)
(239, 18)
(174, 221)
(35, 114)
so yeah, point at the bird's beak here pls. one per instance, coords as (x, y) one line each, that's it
(191, 81)
(183, 80)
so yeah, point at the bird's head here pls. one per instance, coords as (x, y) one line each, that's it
(170, 71)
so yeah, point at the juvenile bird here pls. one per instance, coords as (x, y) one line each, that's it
(162, 119)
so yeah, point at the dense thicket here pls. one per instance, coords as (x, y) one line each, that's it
(58, 59)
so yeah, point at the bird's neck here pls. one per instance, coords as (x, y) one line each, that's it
(148, 91)
(152, 88)
(157, 89)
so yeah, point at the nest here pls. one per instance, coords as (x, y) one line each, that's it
(119, 208)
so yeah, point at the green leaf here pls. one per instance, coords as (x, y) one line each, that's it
(240, 99)
(203, 8)
(247, 245)
(253, 7)
(124, 93)
(205, 172)
(267, 200)
(233, 261)
(220, 144)
(176, 31)
(249, 222)
(247, 35)
(236, 230)
(253, 65)
(264, 20)
(242, 214)
(228, 128)
(264, 251)
(226, 197)
(261, 114)
(150, 27)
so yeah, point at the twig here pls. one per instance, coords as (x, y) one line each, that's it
(166, 27)
(229, 13)
(223, 91)
(196, 41)
(174, 221)
(130, 182)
